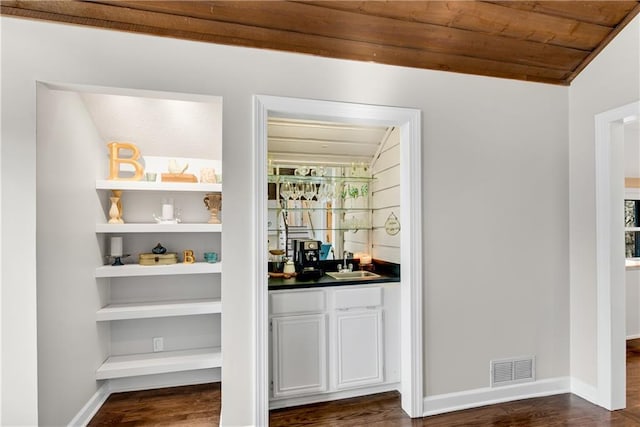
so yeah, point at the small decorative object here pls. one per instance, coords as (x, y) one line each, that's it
(118, 194)
(150, 176)
(392, 225)
(176, 173)
(167, 213)
(158, 259)
(174, 167)
(114, 212)
(301, 171)
(116, 251)
(208, 175)
(213, 202)
(211, 257)
(115, 161)
(187, 256)
(159, 249)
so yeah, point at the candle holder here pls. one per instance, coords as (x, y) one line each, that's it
(117, 260)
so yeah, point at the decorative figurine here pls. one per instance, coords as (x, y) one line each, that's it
(159, 249)
(213, 202)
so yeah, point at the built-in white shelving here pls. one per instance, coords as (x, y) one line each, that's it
(137, 270)
(148, 310)
(105, 184)
(158, 228)
(159, 363)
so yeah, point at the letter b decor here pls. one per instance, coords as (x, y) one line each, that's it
(115, 160)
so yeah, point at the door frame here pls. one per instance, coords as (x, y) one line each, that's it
(610, 273)
(409, 122)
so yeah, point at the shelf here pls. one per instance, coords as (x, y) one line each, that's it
(282, 230)
(631, 229)
(158, 228)
(133, 270)
(322, 209)
(105, 184)
(150, 310)
(272, 179)
(159, 363)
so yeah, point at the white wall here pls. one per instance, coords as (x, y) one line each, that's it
(632, 150)
(610, 81)
(495, 183)
(70, 344)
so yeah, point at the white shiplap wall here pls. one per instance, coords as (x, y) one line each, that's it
(385, 199)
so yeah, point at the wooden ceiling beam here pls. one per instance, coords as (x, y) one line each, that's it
(344, 25)
(608, 13)
(226, 33)
(483, 17)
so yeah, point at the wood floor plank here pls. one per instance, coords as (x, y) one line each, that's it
(199, 405)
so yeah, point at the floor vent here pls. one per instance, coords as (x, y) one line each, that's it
(512, 371)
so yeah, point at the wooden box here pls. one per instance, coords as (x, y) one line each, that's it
(158, 259)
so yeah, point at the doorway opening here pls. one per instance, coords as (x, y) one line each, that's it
(408, 121)
(610, 253)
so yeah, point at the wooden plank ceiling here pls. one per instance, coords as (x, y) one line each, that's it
(543, 41)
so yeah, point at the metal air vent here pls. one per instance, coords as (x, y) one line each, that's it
(512, 371)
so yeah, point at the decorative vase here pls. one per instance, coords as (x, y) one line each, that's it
(118, 194)
(213, 201)
(114, 212)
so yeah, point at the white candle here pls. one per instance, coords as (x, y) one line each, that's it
(167, 211)
(116, 246)
(365, 259)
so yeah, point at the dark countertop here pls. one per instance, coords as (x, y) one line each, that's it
(388, 272)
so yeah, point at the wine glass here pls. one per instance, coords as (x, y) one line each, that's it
(285, 190)
(309, 191)
(298, 191)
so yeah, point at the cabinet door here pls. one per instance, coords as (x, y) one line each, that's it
(359, 348)
(299, 362)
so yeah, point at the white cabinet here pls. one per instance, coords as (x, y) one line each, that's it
(299, 354)
(332, 339)
(178, 303)
(359, 348)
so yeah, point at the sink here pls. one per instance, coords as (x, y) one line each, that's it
(352, 275)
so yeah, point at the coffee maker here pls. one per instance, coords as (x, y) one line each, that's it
(306, 257)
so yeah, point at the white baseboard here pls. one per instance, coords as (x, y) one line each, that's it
(450, 402)
(327, 397)
(584, 390)
(146, 382)
(633, 336)
(87, 412)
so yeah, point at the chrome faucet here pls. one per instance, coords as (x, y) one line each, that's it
(343, 268)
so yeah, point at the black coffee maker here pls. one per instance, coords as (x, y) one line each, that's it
(306, 257)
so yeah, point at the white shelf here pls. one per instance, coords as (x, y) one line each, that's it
(133, 270)
(105, 184)
(159, 363)
(158, 228)
(150, 310)
(632, 229)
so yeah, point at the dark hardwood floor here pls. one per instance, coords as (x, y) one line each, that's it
(200, 406)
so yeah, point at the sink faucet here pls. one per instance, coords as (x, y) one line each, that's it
(342, 268)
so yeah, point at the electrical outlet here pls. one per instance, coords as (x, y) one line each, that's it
(158, 344)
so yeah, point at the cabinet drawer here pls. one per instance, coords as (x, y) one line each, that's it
(297, 302)
(356, 298)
